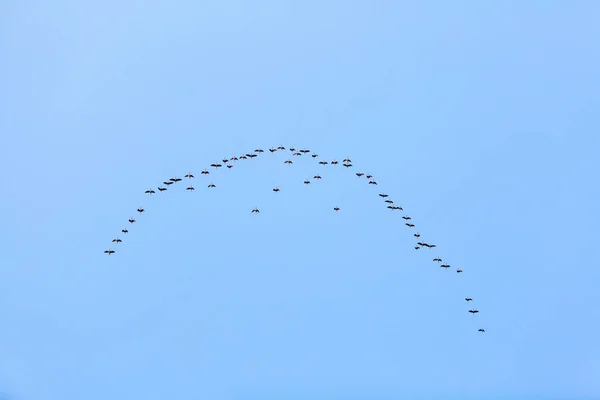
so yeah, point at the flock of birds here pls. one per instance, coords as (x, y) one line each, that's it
(296, 153)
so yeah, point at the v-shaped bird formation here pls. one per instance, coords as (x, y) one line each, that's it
(346, 162)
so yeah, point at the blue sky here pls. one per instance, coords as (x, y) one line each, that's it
(479, 118)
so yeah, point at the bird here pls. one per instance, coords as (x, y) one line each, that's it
(417, 235)
(229, 166)
(334, 162)
(272, 150)
(347, 160)
(383, 195)
(167, 183)
(473, 311)
(306, 182)
(276, 189)
(305, 151)
(211, 185)
(323, 162)
(140, 210)
(175, 179)
(243, 157)
(188, 175)
(372, 183)
(317, 177)
(117, 240)
(347, 165)
(437, 259)
(190, 188)
(149, 191)
(205, 172)
(292, 149)
(468, 299)
(369, 176)
(481, 330)
(288, 162)
(417, 247)
(131, 220)
(225, 160)
(297, 154)
(162, 189)
(406, 217)
(391, 207)
(259, 150)
(109, 252)
(255, 210)
(445, 266)
(359, 174)
(409, 225)
(280, 148)
(314, 155)
(458, 271)
(124, 230)
(336, 208)
(233, 159)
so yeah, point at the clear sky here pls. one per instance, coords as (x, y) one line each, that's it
(479, 118)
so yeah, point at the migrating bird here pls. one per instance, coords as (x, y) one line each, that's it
(314, 155)
(281, 148)
(383, 195)
(437, 259)
(306, 182)
(317, 177)
(347, 165)
(304, 151)
(149, 191)
(369, 176)
(334, 162)
(175, 179)
(211, 185)
(336, 208)
(417, 247)
(109, 252)
(256, 210)
(391, 207)
(406, 217)
(372, 183)
(347, 160)
(233, 159)
(167, 183)
(389, 201)
(224, 160)
(445, 266)
(292, 149)
(131, 220)
(288, 162)
(468, 299)
(124, 230)
(205, 172)
(140, 210)
(259, 150)
(272, 150)
(162, 189)
(189, 176)
(297, 154)
(243, 157)
(410, 225)
(117, 240)
(323, 162)
(481, 330)
(229, 166)
(359, 174)
(458, 271)
(417, 235)
(473, 311)
(276, 189)
(190, 188)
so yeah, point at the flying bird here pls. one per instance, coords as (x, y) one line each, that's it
(347, 165)
(117, 240)
(473, 311)
(276, 189)
(359, 174)
(347, 160)
(124, 230)
(372, 183)
(317, 177)
(297, 154)
(140, 210)
(255, 210)
(314, 155)
(149, 191)
(292, 149)
(323, 162)
(369, 176)
(389, 201)
(409, 225)
(306, 182)
(189, 176)
(406, 217)
(383, 195)
(336, 208)
(458, 270)
(131, 220)
(281, 148)
(162, 189)
(417, 235)
(205, 172)
(437, 259)
(229, 166)
(288, 162)
(259, 150)
(468, 299)
(109, 252)
(190, 188)
(224, 160)
(211, 185)
(167, 183)
(272, 150)
(334, 162)
(481, 330)
(445, 266)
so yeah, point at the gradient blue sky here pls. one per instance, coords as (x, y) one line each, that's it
(479, 118)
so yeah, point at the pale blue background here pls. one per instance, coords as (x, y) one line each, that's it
(480, 118)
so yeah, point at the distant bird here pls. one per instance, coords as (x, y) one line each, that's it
(445, 266)
(304, 151)
(233, 159)
(167, 183)
(224, 160)
(306, 182)
(297, 154)
(276, 189)
(323, 162)
(243, 157)
(131, 220)
(481, 330)
(251, 155)
(211, 185)
(372, 183)
(383, 195)
(189, 176)
(347, 160)
(421, 243)
(437, 259)
(288, 162)
(317, 177)
(406, 217)
(336, 208)
(468, 299)
(347, 165)
(292, 149)
(124, 230)
(109, 252)
(473, 311)
(417, 247)
(459, 271)
(281, 148)
(149, 191)
(162, 189)
(410, 225)
(334, 162)
(175, 179)
(259, 150)
(391, 207)
(359, 174)
(389, 201)
(369, 176)
(417, 235)
(229, 166)
(117, 240)
(272, 150)
(205, 172)
(140, 210)
(314, 155)
(255, 210)
(190, 188)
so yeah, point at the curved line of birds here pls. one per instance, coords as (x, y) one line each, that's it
(296, 153)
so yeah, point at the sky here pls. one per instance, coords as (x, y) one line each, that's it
(480, 119)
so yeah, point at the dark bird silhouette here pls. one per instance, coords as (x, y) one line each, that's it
(255, 210)
(372, 183)
(390, 207)
(205, 172)
(417, 247)
(162, 189)
(437, 259)
(124, 230)
(468, 299)
(305, 151)
(233, 158)
(117, 240)
(276, 189)
(292, 149)
(323, 162)
(473, 311)
(190, 188)
(334, 162)
(359, 174)
(281, 148)
(211, 185)
(140, 210)
(317, 177)
(259, 150)
(225, 160)
(347, 160)
(297, 154)
(417, 235)
(131, 220)
(369, 176)
(410, 225)
(406, 217)
(272, 150)
(336, 208)
(288, 162)
(306, 182)
(243, 157)
(383, 195)
(229, 166)
(189, 176)
(445, 266)
(168, 183)
(314, 155)
(109, 252)
(347, 165)
(458, 271)
(481, 330)
(421, 243)
(389, 201)
(149, 191)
